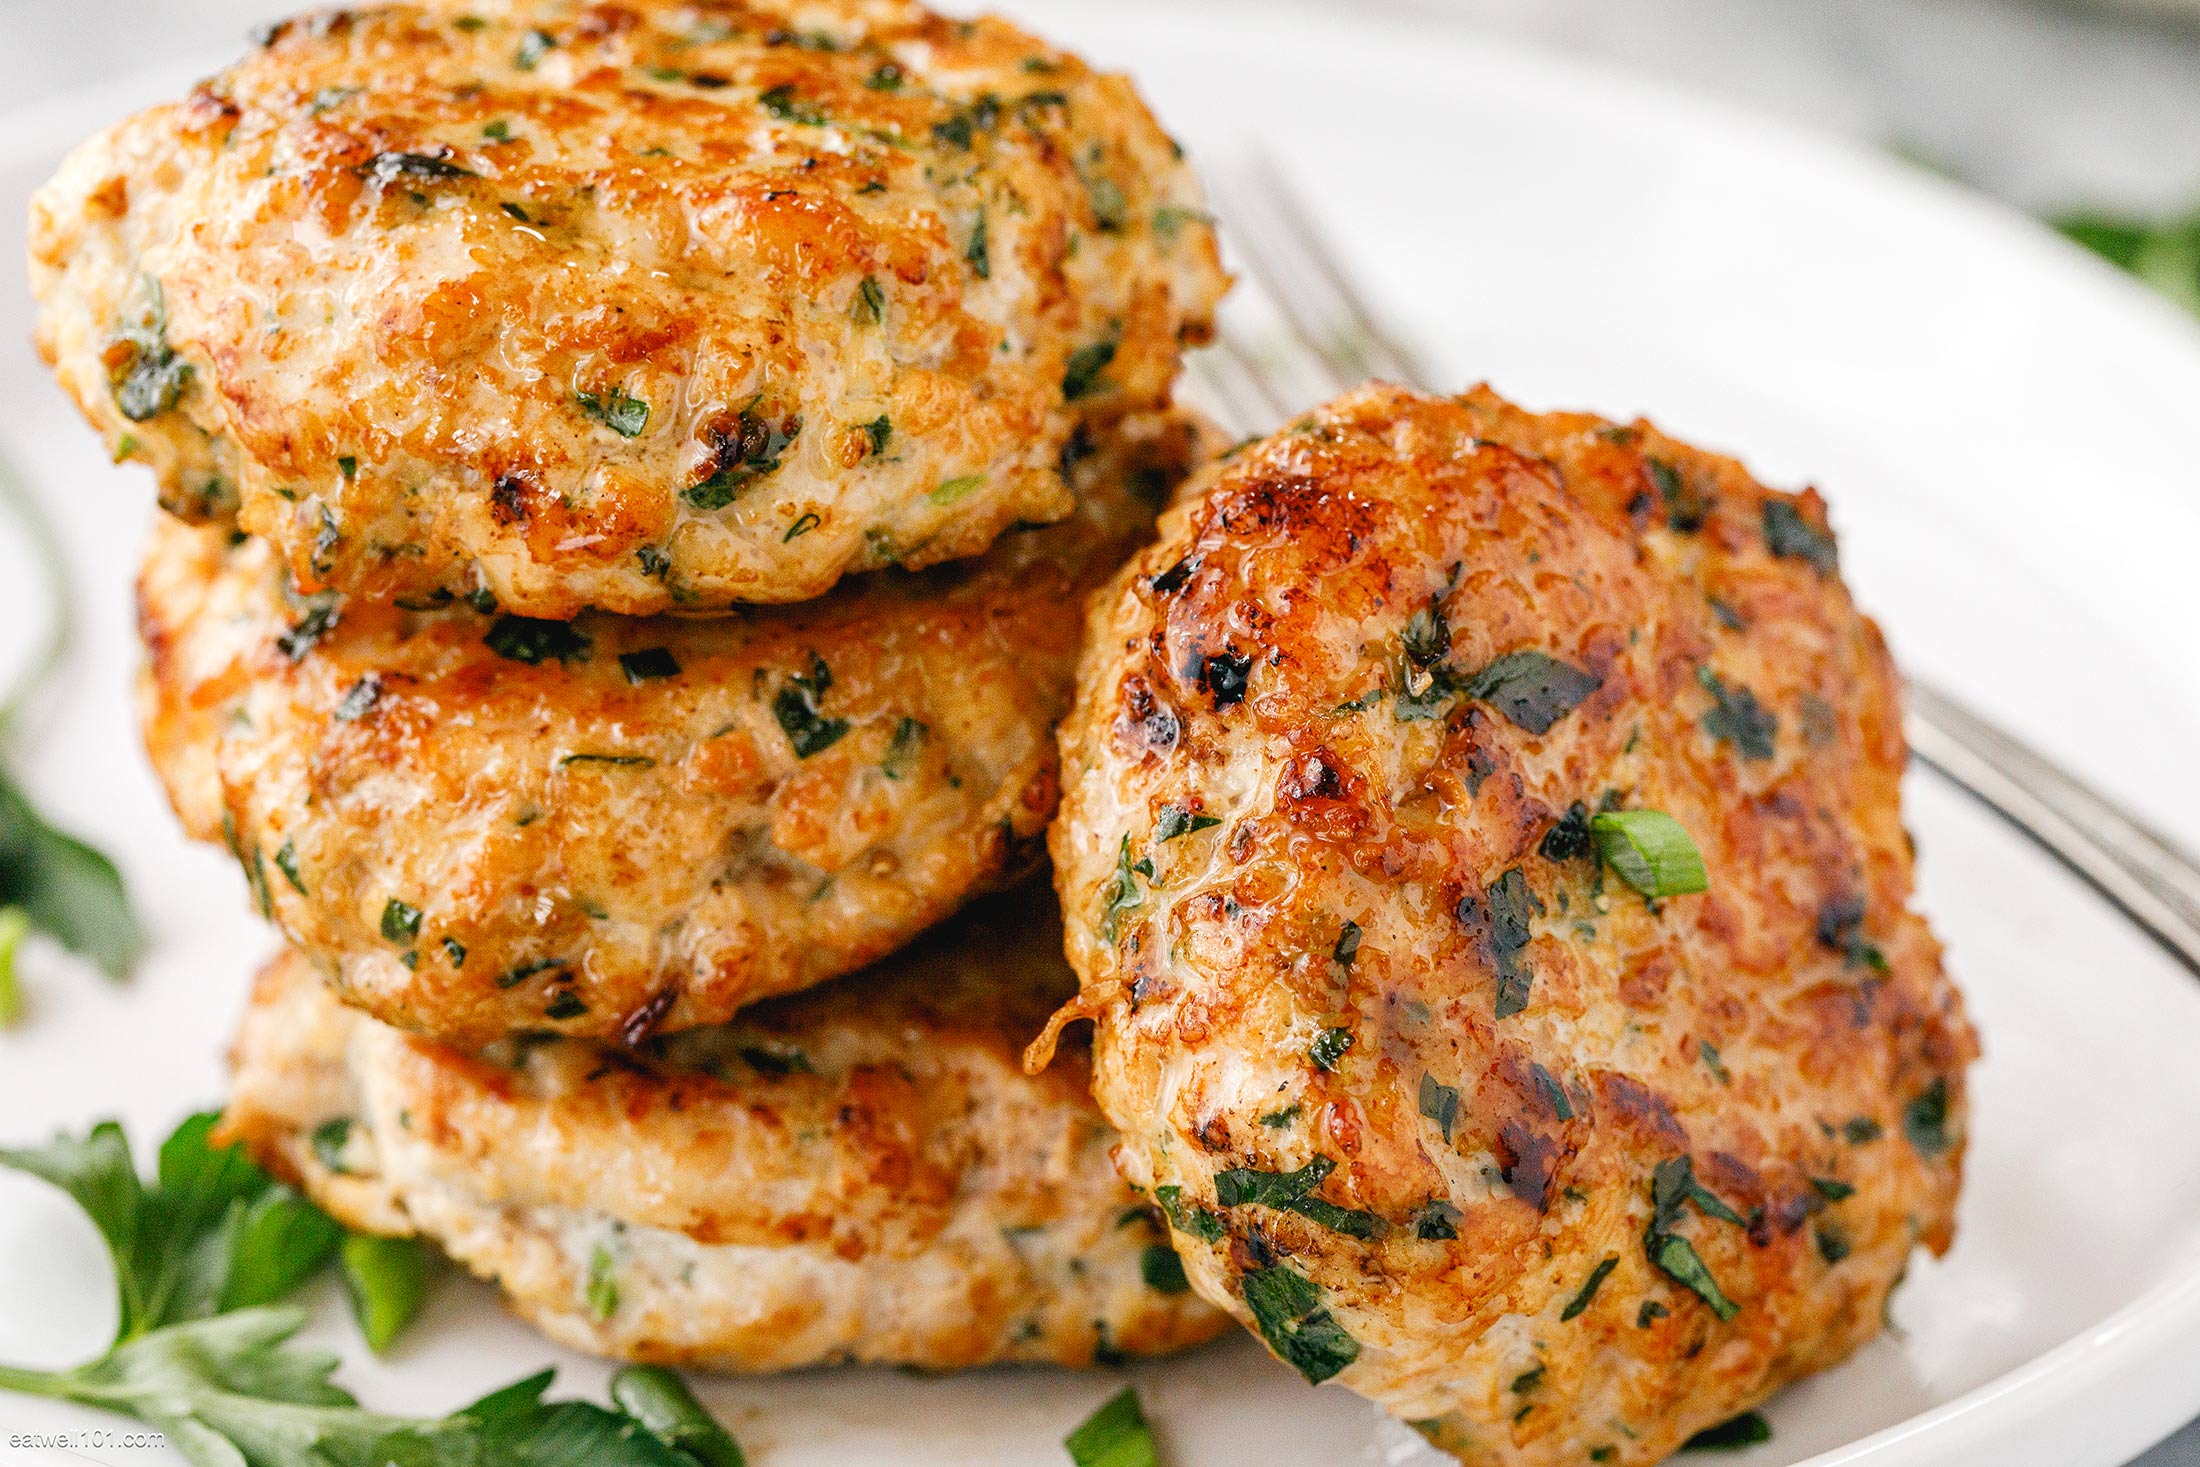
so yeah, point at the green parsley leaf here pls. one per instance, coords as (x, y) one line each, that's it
(1832, 1188)
(1789, 535)
(400, 921)
(752, 450)
(1122, 893)
(603, 1283)
(1329, 1047)
(1709, 1054)
(1678, 1259)
(1685, 509)
(1291, 1192)
(1745, 1430)
(387, 1280)
(1162, 1270)
(1588, 1293)
(1531, 689)
(617, 410)
(533, 641)
(1436, 1221)
(796, 708)
(1925, 1119)
(329, 1141)
(1116, 1435)
(1737, 718)
(2162, 253)
(1650, 851)
(1292, 1317)
(1081, 376)
(959, 487)
(1179, 820)
(870, 302)
(1348, 944)
(1505, 915)
(901, 751)
(1440, 1103)
(1206, 1226)
(68, 890)
(978, 253)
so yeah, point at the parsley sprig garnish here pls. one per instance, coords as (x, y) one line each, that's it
(204, 1253)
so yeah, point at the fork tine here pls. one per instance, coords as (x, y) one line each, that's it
(1298, 270)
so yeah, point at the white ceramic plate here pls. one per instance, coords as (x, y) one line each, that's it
(2006, 433)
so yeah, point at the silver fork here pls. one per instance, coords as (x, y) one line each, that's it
(1329, 340)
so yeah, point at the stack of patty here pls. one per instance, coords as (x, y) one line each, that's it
(633, 472)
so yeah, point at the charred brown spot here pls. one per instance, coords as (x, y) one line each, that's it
(1629, 1100)
(1146, 719)
(1223, 676)
(1527, 1160)
(509, 498)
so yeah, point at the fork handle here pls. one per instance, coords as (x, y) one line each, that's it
(2134, 869)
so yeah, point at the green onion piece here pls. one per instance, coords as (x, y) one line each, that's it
(1650, 851)
(387, 1279)
(1116, 1435)
(668, 1411)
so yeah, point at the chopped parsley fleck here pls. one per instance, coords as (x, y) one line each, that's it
(1439, 1103)
(1169, 220)
(1292, 1192)
(1276, 1120)
(400, 921)
(1650, 1312)
(1436, 1221)
(795, 706)
(978, 253)
(358, 699)
(880, 430)
(1672, 1188)
(1505, 913)
(1833, 1243)
(619, 410)
(1329, 1048)
(1532, 690)
(1857, 1130)
(388, 168)
(1685, 509)
(870, 301)
(533, 46)
(802, 526)
(1925, 1119)
(1122, 893)
(329, 1140)
(1832, 1188)
(1553, 1092)
(1737, 718)
(1178, 820)
(455, 951)
(1162, 1270)
(564, 1004)
(782, 103)
(1287, 1306)
(1581, 1301)
(154, 376)
(1348, 944)
(1650, 851)
(532, 641)
(1709, 1054)
(307, 630)
(519, 973)
(1745, 1430)
(776, 1062)
(286, 861)
(1202, 1224)
(645, 663)
(1081, 376)
(901, 750)
(886, 77)
(951, 490)
(1789, 535)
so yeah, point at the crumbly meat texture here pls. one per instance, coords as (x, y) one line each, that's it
(1441, 1105)
(631, 307)
(479, 824)
(859, 1174)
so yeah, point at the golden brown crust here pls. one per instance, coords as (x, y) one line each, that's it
(858, 1174)
(1294, 714)
(653, 821)
(633, 307)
